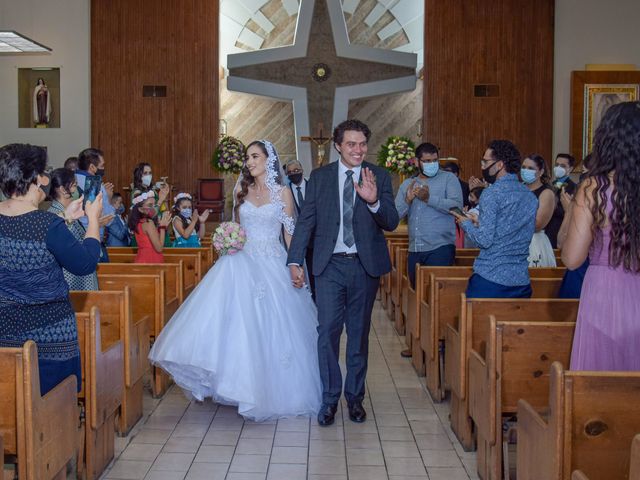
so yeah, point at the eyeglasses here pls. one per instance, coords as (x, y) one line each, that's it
(483, 162)
(297, 170)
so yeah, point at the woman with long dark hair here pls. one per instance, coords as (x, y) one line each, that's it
(605, 226)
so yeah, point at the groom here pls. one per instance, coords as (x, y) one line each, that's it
(347, 206)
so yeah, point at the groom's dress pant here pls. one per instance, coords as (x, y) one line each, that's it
(345, 295)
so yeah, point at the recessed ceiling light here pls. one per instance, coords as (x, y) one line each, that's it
(13, 42)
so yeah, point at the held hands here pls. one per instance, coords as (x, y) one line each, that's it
(297, 275)
(367, 187)
(165, 219)
(93, 210)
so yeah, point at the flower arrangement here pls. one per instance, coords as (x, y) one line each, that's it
(229, 156)
(397, 154)
(228, 238)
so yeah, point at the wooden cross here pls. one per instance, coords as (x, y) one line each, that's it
(320, 141)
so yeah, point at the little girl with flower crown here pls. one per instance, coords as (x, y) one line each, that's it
(188, 226)
(149, 232)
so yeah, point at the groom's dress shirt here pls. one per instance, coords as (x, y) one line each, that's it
(342, 177)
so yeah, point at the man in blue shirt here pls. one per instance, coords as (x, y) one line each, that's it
(426, 200)
(504, 228)
(91, 162)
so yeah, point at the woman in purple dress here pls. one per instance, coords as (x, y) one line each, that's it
(605, 226)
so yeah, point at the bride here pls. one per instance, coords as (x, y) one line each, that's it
(245, 336)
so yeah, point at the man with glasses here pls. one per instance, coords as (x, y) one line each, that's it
(297, 183)
(504, 228)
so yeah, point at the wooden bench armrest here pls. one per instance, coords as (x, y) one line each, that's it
(578, 475)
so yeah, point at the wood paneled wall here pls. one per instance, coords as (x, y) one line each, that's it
(155, 42)
(504, 42)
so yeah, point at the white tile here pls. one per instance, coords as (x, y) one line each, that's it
(289, 455)
(129, 470)
(177, 462)
(278, 471)
(254, 446)
(436, 473)
(215, 454)
(207, 471)
(291, 439)
(249, 463)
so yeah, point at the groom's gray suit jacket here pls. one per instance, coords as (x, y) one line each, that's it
(319, 222)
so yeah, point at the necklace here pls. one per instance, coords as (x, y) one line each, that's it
(256, 190)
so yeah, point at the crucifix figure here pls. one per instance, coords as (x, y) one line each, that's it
(320, 72)
(319, 142)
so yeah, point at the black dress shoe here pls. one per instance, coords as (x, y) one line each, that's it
(406, 353)
(357, 413)
(327, 414)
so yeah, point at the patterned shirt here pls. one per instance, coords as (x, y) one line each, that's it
(506, 224)
(431, 225)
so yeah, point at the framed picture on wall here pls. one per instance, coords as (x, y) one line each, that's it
(592, 94)
(39, 97)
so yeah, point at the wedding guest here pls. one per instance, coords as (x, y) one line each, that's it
(62, 192)
(504, 228)
(149, 232)
(474, 200)
(71, 163)
(426, 200)
(91, 162)
(605, 226)
(188, 225)
(562, 183)
(118, 234)
(36, 246)
(535, 176)
(454, 168)
(143, 182)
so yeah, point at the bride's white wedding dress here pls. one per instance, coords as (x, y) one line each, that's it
(245, 336)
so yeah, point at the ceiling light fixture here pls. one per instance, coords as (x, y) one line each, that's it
(14, 42)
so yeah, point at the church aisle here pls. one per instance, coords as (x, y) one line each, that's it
(405, 435)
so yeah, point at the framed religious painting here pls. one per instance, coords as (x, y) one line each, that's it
(592, 94)
(39, 97)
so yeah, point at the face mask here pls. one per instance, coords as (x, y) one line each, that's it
(489, 178)
(120, 210)
(430, 169)
(186, 212)
(295, 178)
(100, 172)
(148, 212)
(528, 176)
(75, 195)
(46, 188)
(146, 180)
(559, 172)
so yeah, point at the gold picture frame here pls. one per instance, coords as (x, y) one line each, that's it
(592, 92)
(598, 99)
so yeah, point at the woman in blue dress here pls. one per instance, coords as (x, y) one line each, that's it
(35, 246)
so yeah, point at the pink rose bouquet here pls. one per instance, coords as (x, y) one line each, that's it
(228, 238)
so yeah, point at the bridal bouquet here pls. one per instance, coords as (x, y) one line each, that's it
(398, 155)
(229, 156)
(228, 238)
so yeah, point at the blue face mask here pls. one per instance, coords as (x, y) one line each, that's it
(528, 176)
(186, 212)
(120, 210)
(430, 169)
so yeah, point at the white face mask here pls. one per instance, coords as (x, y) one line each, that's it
(146, 180)
(559, 172)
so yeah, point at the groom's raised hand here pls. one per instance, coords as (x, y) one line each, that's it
(297, 275)
(367, 188)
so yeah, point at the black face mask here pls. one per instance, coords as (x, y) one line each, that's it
(100, 172)
(295, 178)
(46, 188)
(487, 176)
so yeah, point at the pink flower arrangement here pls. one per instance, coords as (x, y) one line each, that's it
(229, 238)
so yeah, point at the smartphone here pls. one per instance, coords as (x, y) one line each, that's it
(457, 211)
(92, 186)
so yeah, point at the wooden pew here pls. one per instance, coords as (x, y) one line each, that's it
(173, 280)
(385, 280)
(401, 254)
(39, 433)
(590, 423)
(147, 299)
(118, 321)
(442, 308)
(472, 332)
(191, 266)
(101, 351)
(413, 298)
(634, 467)
(515, 365)
(394, 293)
(206, 253)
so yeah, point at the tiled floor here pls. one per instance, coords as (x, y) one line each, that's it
(405, 436)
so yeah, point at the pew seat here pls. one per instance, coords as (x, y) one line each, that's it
(39, 433)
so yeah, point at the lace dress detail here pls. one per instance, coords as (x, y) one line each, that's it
(263, 228)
